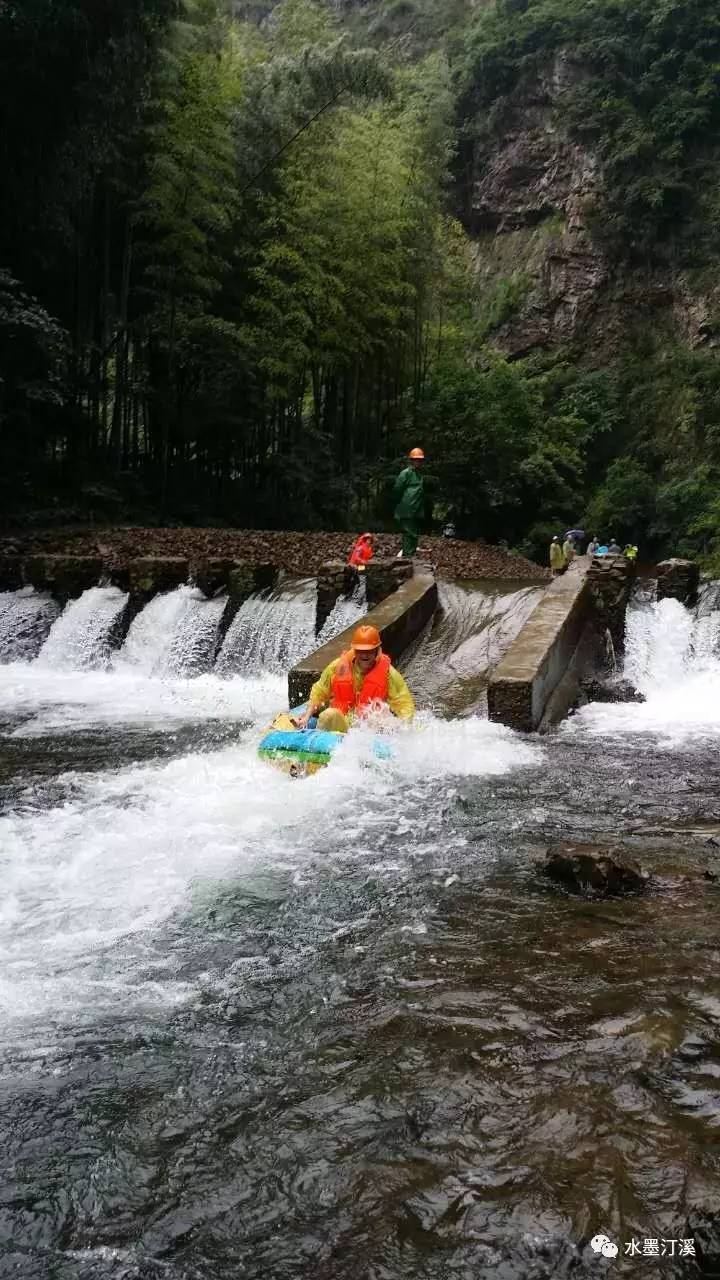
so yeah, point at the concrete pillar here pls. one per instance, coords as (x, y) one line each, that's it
(610, 581)
(678, 580)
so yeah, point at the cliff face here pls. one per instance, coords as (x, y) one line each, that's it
(528, 195)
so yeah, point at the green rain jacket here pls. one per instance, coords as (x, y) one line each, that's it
(409, 495)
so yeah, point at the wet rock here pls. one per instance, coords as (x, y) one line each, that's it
(610, 580)
(590, 869)
(382, 577)
(703, 1228)
(211, 575)
(611, 691)
(64, 576)
(151, 574)
(678, 580)
(11, 578)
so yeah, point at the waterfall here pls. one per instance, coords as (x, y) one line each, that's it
(474, 627)
(272, 631)
(174, 635)
(345, 612)
(666, 644)
(83, 636)
(26, 616)
(672, 655)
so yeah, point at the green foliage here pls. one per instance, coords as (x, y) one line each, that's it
(503, 301)
(495, 451)
(623, 507)
(643, 93)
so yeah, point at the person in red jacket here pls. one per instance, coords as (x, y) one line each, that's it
(362, 552)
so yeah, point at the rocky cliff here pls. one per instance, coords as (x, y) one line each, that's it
(529, 195)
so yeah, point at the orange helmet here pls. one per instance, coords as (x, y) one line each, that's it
(416, 453)
(366, 638)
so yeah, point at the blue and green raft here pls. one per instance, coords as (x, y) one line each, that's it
(301, 752)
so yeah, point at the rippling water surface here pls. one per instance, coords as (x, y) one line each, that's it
(342, 1027)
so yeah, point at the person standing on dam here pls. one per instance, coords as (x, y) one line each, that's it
(410, 502)
(557, 559)
(568, 552)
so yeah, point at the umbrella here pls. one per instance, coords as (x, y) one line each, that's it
(578, 534)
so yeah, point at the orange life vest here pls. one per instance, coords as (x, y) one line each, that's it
(374, 687)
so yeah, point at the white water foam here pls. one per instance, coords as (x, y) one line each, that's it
(673, 658)
(88, 882)
(66, 702)
(81, 638)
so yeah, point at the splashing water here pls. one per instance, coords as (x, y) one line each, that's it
(672, 655)
(82, 636)
(175, 634)
(125, 850)
(26, 616)
(271, 632)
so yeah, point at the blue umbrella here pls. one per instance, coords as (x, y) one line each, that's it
(578, 534)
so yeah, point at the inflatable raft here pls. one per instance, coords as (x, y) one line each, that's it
(300, 752)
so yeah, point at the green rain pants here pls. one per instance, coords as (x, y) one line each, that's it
(410, 531)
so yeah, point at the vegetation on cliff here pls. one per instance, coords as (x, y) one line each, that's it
(234, 286)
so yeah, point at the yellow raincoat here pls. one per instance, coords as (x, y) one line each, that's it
(400, 699)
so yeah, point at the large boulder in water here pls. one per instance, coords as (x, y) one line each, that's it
(610, 691)
(678, 580)
(593, 870)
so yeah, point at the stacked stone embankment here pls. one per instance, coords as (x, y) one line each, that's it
(298, 553)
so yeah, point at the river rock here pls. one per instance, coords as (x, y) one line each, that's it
(611, 691)
(678, 580)
(591, 869)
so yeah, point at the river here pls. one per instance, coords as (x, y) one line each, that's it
(341, 1027)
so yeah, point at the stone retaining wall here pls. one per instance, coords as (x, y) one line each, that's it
(538, 680)
(67, 576)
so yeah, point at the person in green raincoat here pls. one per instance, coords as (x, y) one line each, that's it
(410, 502)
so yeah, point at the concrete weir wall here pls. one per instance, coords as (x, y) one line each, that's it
(542, 659)
(399, 618)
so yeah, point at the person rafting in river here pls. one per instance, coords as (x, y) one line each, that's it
(353, 683)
